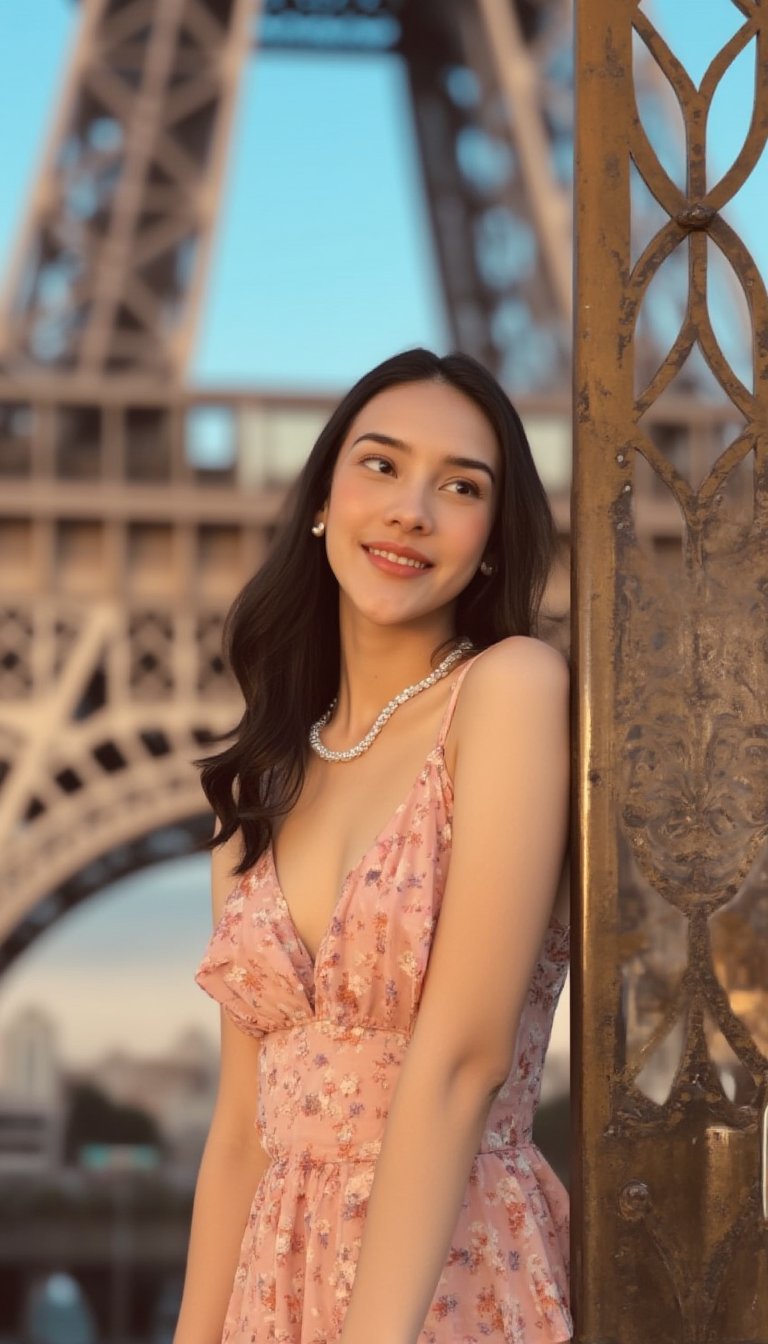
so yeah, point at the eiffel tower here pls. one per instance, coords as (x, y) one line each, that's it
(121, 549)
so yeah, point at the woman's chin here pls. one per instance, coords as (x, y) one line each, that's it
(397, 608)
(382, 612)
(399, 617)
(388, 617)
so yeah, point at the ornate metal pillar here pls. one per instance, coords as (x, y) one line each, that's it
(670, 1199)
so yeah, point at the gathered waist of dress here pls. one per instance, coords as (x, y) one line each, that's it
(325, 1094)
(325, 1090)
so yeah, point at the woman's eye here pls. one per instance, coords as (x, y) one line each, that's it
(382, 467)
(366, 461)
(467, 488)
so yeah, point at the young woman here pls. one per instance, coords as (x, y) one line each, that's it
(390, 894)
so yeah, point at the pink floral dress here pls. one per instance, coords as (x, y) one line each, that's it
(334, 1035)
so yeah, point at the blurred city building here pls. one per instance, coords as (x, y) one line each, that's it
(177, 1089)
(31, 1096)
(97, 1168)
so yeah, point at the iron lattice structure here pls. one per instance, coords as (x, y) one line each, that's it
(122, 553)
(111, 263)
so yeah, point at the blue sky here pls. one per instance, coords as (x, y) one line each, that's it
(322, 262)
(322, 266)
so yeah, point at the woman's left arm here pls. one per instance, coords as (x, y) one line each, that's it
(510, 829)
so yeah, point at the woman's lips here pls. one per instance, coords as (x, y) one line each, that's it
(402, 568)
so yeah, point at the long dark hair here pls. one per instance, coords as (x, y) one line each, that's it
(281, 635)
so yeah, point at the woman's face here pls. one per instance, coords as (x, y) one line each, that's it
(412, 502)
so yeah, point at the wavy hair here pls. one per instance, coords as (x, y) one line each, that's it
(281, 635)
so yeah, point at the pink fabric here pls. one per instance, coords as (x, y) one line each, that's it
(334, 1037)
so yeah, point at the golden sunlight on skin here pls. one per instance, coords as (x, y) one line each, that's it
(412, 496)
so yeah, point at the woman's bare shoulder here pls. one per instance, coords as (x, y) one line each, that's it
(517, 662)
(507, 689)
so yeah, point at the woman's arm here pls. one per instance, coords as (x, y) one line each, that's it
(232, 1165)
(510, 824)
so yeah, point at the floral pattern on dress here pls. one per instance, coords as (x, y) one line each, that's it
(334, 1035)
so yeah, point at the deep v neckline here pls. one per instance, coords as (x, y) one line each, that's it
(436, 753)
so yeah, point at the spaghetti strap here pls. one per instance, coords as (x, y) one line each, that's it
(458, 679)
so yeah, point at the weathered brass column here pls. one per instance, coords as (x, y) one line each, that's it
(670, 960)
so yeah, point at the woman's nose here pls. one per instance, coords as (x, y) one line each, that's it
(410, 508)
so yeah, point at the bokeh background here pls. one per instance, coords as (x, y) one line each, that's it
(323, 265)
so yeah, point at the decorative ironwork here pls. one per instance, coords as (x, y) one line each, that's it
(672, 958)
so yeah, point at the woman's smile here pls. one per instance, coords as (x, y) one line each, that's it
(401, 561)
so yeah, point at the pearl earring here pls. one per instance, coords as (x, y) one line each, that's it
(486, 567)
(318, 529)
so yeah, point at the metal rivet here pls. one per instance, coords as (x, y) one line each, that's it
(634, 1201)
(695, 216)
(619, 457)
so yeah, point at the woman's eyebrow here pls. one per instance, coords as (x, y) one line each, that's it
(469, 463)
